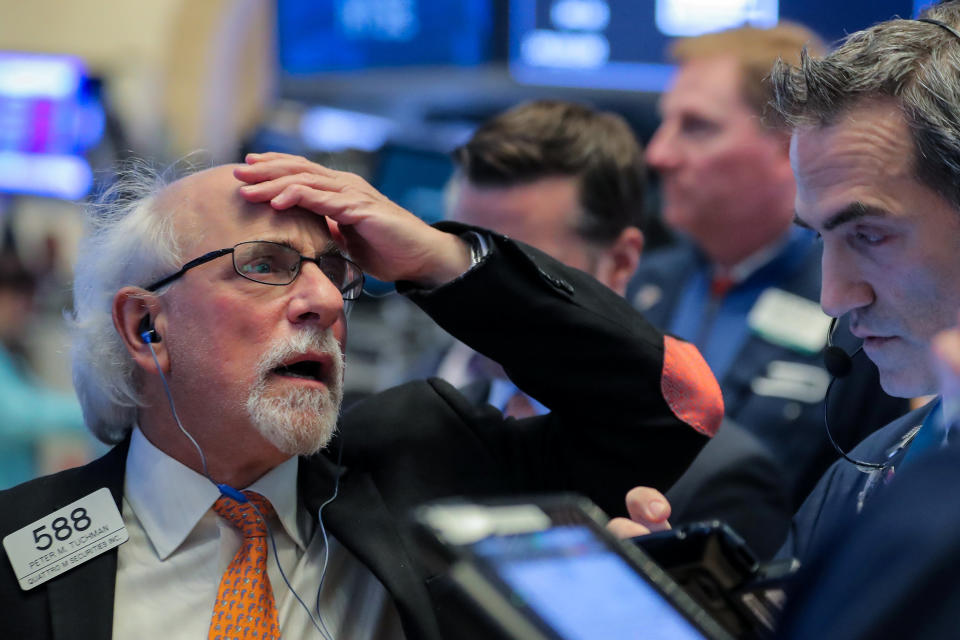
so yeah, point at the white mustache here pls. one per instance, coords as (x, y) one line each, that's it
(316, 340)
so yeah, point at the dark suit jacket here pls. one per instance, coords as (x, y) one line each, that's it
(735, 478)
(563, 336)
(892, 571)
(844, 489)
(791, 432)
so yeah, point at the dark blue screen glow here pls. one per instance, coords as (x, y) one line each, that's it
(317, 36)
(50, 115)
(581, 589)
(621, 44)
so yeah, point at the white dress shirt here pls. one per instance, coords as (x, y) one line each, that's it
(169, 571)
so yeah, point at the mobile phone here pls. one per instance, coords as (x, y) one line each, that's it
(545, 568)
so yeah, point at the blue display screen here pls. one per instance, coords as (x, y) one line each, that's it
(50, 115)
(317, 36)
(621, 44)
(581, 588)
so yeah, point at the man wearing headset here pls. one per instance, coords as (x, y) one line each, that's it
(742, 283)
(210, 319)
(876, 154)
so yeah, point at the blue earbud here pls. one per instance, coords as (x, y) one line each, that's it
(148, 333)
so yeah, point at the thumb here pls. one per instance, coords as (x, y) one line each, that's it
(649, 507)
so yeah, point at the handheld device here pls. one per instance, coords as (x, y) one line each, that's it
(717, 569)
(545, 568)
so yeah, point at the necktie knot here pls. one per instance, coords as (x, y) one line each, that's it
(243, 516)
(720, 286)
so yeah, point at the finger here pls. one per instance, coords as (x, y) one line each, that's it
(335, 233)
(649, 507)
(275, 161)
(266, 156)
(342, 208)
(946, 347)
(269, 170)
(271, 188)
(623, 528)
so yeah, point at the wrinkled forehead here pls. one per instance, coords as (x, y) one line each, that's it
(868, 146)
(209, 213)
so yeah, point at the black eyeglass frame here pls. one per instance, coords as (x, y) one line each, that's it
(213, 255)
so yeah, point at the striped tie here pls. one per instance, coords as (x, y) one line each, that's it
(245, 607)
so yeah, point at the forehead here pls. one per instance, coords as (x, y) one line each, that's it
(865, 157)
(211, 214)
(548, 204)
(705, 84)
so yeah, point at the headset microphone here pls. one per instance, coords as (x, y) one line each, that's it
(837, 361)
(838, 364)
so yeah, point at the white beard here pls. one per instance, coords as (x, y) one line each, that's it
(298, 421)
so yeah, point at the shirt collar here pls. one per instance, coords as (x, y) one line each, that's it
(169, 498)
(756, 260)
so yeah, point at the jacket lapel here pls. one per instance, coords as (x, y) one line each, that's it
(81, 600)
(361, 522)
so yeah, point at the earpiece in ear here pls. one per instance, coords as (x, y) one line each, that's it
(147, 332)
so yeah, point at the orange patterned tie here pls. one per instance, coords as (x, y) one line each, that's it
(245, 607)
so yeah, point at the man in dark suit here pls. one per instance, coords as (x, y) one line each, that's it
(891, 572)
(743, 285)
(562, 177)
(210, 318)
(876, 150)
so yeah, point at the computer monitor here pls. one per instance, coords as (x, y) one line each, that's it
(320, 36)
(622, 44)
(50, 115)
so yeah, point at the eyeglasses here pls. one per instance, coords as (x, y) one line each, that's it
(278, 265)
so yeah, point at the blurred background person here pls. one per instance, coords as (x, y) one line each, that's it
(742, 282)
(41, 429)
(561, 177)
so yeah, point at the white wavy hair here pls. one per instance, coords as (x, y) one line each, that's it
(127, 241)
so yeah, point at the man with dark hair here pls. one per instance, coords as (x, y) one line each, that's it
(876, 154)
(743, 285)
(559, 176)
(209, 324)
(562, 177)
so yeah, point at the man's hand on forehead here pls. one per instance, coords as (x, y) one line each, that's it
(386, 240)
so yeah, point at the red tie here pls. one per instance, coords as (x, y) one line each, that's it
(245, 607)
(720, 285)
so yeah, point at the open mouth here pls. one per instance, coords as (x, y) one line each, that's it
(314, 370)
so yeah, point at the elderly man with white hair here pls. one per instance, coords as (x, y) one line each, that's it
(210, 320)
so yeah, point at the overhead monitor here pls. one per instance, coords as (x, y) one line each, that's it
(320, 36)
(621, 44)
(50, 115)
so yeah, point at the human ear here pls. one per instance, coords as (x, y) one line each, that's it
(138, 318)
(619, 261)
